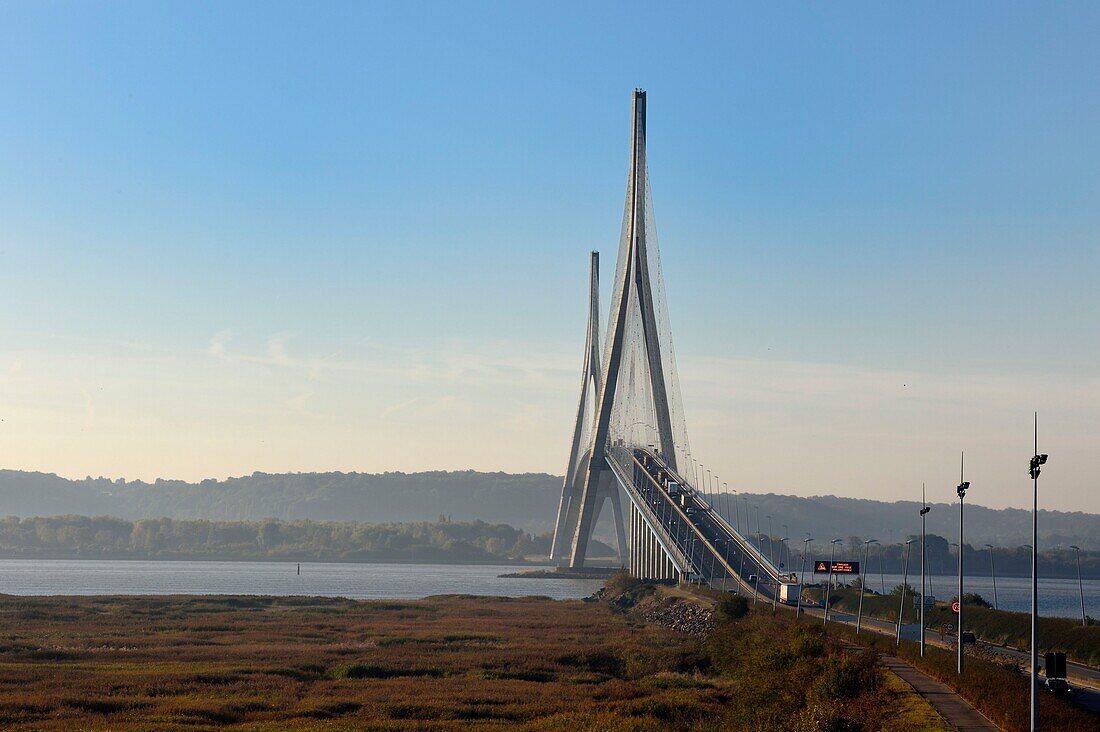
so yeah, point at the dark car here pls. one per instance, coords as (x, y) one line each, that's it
(968, 638)
(1059, 686)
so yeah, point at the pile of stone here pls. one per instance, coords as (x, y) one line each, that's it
(683, 617)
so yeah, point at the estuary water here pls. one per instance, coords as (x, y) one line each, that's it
(1058, 597)
(357, 581)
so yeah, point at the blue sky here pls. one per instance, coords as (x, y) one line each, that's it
(344, 236)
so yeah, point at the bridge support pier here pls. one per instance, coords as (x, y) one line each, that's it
(648, 559)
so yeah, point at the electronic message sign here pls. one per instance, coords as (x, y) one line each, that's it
(838, 567)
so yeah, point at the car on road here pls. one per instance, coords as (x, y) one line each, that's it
(968, 638)
(1059, 686)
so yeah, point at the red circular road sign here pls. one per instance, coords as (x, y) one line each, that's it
(955, 607)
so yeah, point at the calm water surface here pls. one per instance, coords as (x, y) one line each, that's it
(1057, 597)
(360, 581)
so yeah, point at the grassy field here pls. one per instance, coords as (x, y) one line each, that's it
(192, 663)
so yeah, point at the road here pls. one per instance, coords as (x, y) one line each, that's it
(1085, 679)
(685, 517)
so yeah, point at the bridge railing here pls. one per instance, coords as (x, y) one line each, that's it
(749, 547)
(622, 467)
(746, 545)
(640, 483)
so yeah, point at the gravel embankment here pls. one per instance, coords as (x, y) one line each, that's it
(684, 617)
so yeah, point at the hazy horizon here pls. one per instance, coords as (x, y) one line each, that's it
(267, 238)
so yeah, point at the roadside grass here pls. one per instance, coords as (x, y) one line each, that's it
(912, 712)
(997, 690)
(1001, 627)
(790, 675)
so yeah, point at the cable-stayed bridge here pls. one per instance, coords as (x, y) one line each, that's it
(630, 437)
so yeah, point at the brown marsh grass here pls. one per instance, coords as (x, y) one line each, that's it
(256, 663)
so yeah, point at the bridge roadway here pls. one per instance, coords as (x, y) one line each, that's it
(701, 542)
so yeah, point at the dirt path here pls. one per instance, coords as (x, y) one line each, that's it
(943, 699)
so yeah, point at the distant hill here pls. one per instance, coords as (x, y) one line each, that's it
(527, 501)
(829, 517)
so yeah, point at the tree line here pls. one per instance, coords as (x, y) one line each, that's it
(942, 557)
(442, 540)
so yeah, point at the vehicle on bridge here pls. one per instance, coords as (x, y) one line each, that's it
(789, 592)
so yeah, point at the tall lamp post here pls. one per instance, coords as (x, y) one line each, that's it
(740, 568)
(992, 574)
(786, 551)
(1037, 460)
(729, 497)
(771, 548)
(904, 583)
(961, 490)
(829, 584)
(925, 508)
(862, 584)
(802, 574)
(1080, 586)
(881, 577)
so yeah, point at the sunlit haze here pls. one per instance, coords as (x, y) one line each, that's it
(249, 237)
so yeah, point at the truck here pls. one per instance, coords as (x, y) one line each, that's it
(788, 592)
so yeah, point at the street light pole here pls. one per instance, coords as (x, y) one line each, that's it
(1080, 586)
(802, 575)
(881, 576)
(740, 569)
(771, 549)
(992, 574)
(961, 490)
(1033, 470)
(904, 582)
(829, 585)
(786, 553)
(862, 583)
(925, 508)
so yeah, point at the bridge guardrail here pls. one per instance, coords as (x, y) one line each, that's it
(621, 456)
(748, 547)
(668, 543)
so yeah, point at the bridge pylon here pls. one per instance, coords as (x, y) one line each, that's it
(580, 450)
(639, 393)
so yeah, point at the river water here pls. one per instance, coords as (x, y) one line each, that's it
(1057, 597)
(360, 581)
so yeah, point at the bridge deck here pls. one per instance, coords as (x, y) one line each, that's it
(700, 541)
